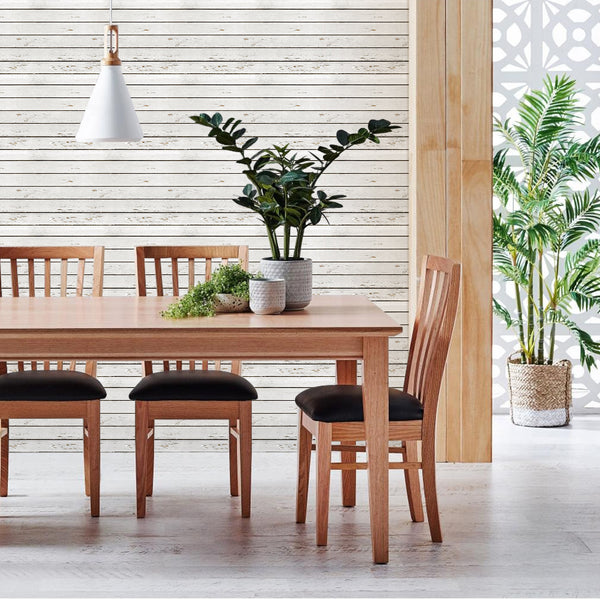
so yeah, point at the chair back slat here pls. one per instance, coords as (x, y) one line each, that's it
(14, 277)
(64, 271)
(175, 275)
(80, 277)
(31, 272)
(432, 331)
(181, 264)
(52, 283)
(47, 276)
(158, 274)
(191, 273)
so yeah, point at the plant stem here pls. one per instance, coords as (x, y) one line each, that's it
(299, 239)
(275, 254)
(530, 319)
(553, 305)
(540, 358)
(519, 308)
(286, 241)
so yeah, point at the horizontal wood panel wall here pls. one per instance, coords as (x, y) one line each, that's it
(295, 72)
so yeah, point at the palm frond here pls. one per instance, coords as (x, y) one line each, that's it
(550, 114)
(505, 182)
(587, 346)
(582, 216)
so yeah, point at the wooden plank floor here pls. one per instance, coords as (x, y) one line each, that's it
(528, 525)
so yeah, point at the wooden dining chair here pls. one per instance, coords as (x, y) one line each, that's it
(334, 413)
(52, 389)
(190, 392)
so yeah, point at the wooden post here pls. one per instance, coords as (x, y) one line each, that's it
(451, 200)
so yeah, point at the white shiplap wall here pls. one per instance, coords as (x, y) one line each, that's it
(294, 72)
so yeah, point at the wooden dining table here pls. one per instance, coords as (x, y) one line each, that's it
(346, 329)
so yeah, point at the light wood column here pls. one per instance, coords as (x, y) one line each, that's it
(451, 200)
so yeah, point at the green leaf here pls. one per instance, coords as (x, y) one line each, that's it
(375, 125)
(224, 138)
(261, 162)
(249, 142)
(292, 176)
(342, 137)
(216, 119)
(315, 215)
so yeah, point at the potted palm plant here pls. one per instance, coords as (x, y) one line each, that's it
(546, 245)
(283, 191)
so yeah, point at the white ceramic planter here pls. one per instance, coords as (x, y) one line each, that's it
(298, 279)
(228, 303)
(267, 296)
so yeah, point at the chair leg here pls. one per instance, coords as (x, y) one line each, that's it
(93, 421)
(86, 456)
(4, 429)
(150, 458)
(245, 455)
(348, 477)
(429, 487)
(233, 461)
(413, 486)
(141, 455)
(324, 434)
(304, 452)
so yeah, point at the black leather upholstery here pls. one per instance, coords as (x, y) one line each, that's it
(193, 385)
(50, 386)
(343, 403)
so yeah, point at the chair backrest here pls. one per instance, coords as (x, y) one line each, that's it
(50, 271)
(432, 332)
(176, 270)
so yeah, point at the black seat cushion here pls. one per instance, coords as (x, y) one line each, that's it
(193, 385)
(50, 386)
(343, 403)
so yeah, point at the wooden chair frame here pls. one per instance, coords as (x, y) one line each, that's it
(88, 410)
(432, 331)
(238, 414)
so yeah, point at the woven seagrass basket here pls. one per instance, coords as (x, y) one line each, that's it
(540, 395)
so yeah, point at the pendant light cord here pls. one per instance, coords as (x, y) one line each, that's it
(110, 24)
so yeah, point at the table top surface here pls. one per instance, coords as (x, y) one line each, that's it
(352, 314)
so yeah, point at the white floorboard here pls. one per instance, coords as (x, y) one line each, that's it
(527, 525)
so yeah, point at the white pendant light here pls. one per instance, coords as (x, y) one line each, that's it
(110, 116)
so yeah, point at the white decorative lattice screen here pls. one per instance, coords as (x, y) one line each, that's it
(533, 38)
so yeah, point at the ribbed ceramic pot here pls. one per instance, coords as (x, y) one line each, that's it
(267, 296)
(298, 279)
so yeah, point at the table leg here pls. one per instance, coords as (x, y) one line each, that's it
(346, 375)
(376, 410)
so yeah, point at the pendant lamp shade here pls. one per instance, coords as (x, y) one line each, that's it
(110, 116)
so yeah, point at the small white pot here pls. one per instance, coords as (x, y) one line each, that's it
(298, 279)
(267, 296)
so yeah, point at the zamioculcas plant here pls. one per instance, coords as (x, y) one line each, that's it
(283, 188)
(546, 229)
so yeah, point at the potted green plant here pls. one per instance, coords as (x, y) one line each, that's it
(542, 245)
(226, 291)
(283, 191)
